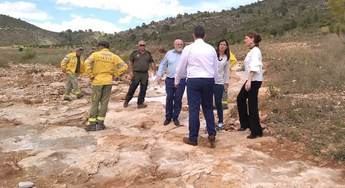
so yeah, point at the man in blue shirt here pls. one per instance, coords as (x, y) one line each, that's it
(174, 94)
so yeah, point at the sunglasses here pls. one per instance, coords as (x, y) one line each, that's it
(142, 45)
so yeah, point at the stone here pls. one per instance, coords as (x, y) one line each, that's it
(63, 132)
(26, 184)
(57, 85)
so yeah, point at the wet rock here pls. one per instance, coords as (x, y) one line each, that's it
(72, 117)
(63, 132)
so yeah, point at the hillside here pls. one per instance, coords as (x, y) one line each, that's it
(272, 18)
(269, 17)
(15, 31)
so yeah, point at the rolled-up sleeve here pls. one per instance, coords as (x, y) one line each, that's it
(255, 63)
(215, 64)
(163, 66)
(226, 72)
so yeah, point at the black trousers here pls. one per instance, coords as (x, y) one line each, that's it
(138, 78)
(249, 114)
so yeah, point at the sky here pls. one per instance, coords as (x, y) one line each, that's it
(108, 16)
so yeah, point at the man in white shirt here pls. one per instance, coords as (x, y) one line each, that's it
(199, 60)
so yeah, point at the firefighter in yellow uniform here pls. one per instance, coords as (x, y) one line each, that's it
(102, 66)
(73, 66)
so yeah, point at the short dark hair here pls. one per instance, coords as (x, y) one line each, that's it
(257, 38)
(199, 32)
(104, 44)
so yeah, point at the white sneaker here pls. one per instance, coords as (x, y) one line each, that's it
(220, 126)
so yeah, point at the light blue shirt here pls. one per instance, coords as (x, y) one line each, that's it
(169, 63)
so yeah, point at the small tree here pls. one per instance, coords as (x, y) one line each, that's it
(337, 8)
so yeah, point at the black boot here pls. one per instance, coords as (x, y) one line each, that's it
(212, 140)
(91, 126)
(100, 126)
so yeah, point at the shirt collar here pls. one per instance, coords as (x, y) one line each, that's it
(176, 52)
(105, 49)
(199, 40)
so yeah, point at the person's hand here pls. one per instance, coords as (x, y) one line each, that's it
(130, 76)
(159, 80)
(226, 87)
(176, 85)
(248, 85)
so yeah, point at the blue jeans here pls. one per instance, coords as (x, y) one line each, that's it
(173, 103)
(200, 92)
(218, 91)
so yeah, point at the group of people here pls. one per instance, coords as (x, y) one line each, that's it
(199, 67)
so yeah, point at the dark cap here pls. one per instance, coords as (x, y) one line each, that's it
(105, 44)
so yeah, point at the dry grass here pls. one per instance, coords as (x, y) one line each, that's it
(31, 56)
(308, 104)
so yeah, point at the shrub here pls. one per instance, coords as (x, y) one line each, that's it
(28, 54)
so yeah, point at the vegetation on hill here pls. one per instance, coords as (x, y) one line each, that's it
(337, 8)
(272, 18)
(306, 83)
(17, 32)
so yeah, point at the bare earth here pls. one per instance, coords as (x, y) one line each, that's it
(42, 140)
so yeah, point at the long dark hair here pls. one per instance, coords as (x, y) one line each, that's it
(227, 51)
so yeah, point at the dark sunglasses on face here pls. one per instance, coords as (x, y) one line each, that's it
(142, 45)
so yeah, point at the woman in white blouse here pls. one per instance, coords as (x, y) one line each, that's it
(221, 79)
(254, 73)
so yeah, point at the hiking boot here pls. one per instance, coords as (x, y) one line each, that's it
(142, 105)
(253, 136)
(79, 96)
(91, 127)
(100, 126)
(166, 122)
(125, 104)
(187, 141)
(212, 140)
(177, 123)
(67, 98)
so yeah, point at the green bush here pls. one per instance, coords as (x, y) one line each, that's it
(28, 54)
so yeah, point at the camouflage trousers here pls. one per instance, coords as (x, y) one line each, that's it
(72, 85)
(99, 103)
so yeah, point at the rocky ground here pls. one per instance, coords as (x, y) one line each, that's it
(42, 140)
